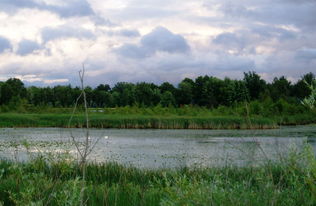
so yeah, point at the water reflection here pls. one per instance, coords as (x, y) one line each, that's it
(165, 148)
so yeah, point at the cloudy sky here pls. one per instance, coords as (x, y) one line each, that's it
(45, 42)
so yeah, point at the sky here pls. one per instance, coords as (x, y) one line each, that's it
(46, 42)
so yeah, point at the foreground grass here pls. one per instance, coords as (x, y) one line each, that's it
(39, 182)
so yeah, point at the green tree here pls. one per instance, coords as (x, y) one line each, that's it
(167, 99)
(147, 94)
(254, 84)
(201, 96)
(184, 94)
(63, 96)
(301, 90)
(280, 88)
(208, 91)
(123, 94)
(166, 86)
(103, 87)
(12, 88)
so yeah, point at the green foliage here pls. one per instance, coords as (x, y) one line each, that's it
(254, 84)
(310, 101)
(157, 118)
(280, 88)
(184, 94)
(167, 99)
(124, 94)
(263, 114)
(301, 89)
(12, 88)
(201, 103)
(205, 91)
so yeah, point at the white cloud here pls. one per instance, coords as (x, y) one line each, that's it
(46, 41)
(158, 40)
(65, 31)
(67, 8)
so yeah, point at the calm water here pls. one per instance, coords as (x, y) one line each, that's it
(163, 148)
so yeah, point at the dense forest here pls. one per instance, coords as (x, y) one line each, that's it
(206, 91)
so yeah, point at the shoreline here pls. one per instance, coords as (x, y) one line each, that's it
(101, 121)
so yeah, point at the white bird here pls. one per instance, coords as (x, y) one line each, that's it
(106, 137)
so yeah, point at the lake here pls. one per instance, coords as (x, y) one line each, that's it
(163, 148)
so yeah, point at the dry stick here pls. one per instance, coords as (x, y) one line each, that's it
(69, 122)
(88, 145)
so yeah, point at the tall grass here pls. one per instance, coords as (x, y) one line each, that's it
(262, 116)
(39, 182)
(135, 121)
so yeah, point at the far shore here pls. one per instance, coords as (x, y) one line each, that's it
(133, 121)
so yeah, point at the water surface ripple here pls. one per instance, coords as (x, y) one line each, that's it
(163, 148)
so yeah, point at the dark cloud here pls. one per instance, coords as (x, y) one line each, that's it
(291, 64)
(160, 39)
(231, 40)
(124, 32)
(27, 47)
(100, 21)
(295, 1)
(300, 14)
(146, 12)
(170, 67)
(307, 54)
(129, 33)
(201, 65)
(19, 3)
(134, 51)
(4, 44)
(246, 39)
(73, 8)
(70, 9)
(269, 32)
(50, 33)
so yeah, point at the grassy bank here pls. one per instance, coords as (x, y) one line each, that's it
(135, 121)
(59, 183)
(257, 116)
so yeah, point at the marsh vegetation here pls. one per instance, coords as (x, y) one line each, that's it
(40, 182)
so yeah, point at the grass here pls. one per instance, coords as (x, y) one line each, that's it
(134, 121)
(187, 117)
(39, 182)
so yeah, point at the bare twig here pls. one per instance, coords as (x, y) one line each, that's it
(88, 144)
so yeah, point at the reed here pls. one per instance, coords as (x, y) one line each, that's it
(135, 121)
(39, 182)
(187, 117)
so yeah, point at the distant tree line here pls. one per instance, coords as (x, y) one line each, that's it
(205, 91)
